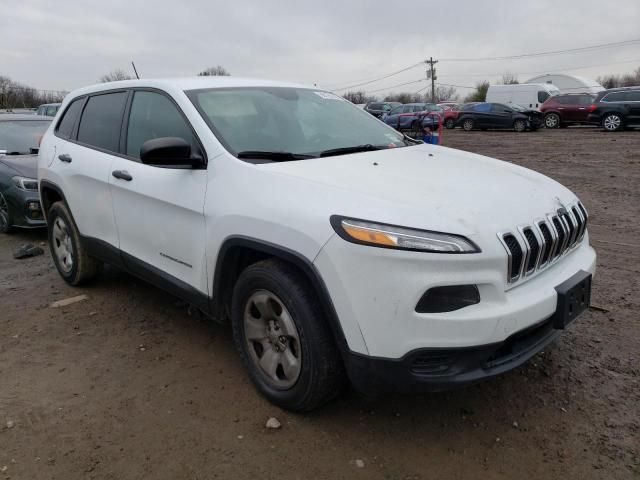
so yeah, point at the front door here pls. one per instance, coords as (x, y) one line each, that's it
(159, 211)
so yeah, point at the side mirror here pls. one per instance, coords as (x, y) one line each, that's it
(169, 152)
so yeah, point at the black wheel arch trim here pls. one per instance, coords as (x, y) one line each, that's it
(295, 258)
(46, 184)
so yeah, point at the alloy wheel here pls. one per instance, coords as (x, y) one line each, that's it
(272, 339)
(552, 121)
(62, 246)
(612, 122)
(4, 214)
(468, 125)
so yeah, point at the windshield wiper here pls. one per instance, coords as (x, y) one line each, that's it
(275, 156)
(345, 150)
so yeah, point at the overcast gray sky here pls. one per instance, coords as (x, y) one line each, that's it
(70, 43)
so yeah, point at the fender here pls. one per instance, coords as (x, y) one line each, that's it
(290, 256)
(45, 204)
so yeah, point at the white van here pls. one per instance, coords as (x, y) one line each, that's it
(528, 95)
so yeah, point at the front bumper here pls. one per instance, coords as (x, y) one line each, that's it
(447, 368)
(25, 208)
(375, 292)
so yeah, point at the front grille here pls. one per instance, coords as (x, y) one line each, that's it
(531, 248)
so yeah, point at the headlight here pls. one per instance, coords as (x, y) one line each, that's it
(390, 236)
(24, 183)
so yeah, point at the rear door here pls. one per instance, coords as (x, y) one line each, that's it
(569, 108)
(632, 100)
(482, 114)
(584, 102)
(159, 211)
(83, 157)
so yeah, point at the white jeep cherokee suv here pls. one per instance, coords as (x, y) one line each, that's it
(337, 247)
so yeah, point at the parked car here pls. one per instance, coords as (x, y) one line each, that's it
(278, 207)
(616, 109)
(485, 116)
(48, 109)
(19, 200)
(526, 95)
(377, 109)
(568, 109)
(400, 117)
(450, 116)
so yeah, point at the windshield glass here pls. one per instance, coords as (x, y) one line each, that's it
(21, 136)
(292, 120)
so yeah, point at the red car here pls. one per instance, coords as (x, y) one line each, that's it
(567, 109)
(451, 114)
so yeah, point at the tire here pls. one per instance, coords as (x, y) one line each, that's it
(449, 124)
(519, 126)
(552, 120)
(5, 216)
(278, 320)
(468, 124)
(612, 122)
(70, 257)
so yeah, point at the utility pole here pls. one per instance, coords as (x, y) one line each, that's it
(431, 73)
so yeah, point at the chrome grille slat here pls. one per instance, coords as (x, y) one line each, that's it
(531, 248)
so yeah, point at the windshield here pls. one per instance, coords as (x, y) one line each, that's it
(19, 137)
(291, 120)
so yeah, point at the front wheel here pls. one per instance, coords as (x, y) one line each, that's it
(612, 122)
(449, 123)
(283, 338)
(5, 215)
(468, 125)
(519, 126)
(552, 120)
(70, 257)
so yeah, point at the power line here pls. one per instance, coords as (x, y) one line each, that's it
(395, 86)
(543, 54)
(380, 78)
(506, 57)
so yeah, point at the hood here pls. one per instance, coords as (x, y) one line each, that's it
(23, 165)
(429, 187)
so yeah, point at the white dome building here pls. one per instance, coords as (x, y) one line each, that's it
(568, 83)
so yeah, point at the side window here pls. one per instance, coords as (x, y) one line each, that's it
(586, 100)
(633, 96)
(101, 121)
(568, 100)
(407, 109)
(51, 111)
(153, 115)
(396, 110)
(68, 121)
(542, 96)
(499, 108)
(614, 97)
(482, 107)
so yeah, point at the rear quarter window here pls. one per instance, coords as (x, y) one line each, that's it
(68, 120)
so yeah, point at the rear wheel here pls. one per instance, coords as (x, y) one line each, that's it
(468, 124)
(449, 123)
(552, 120)
(519, 126)
(283, 338)
(70, 257)
(5, 217)
(612, 122)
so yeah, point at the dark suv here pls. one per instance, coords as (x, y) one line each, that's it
(378, 108)
(616, 108)
(569, 109)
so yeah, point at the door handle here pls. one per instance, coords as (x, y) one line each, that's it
(122, 175)
(64, 157)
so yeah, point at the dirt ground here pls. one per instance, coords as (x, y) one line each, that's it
(128, 385)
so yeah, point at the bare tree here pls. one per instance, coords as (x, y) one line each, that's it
(217, 71)
(114, 76)
(509, 78)
(479, 94)
(444, 93)
(359, 97)
(626, 80)
(17, 95)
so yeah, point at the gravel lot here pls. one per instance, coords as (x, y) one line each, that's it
(127, 384)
